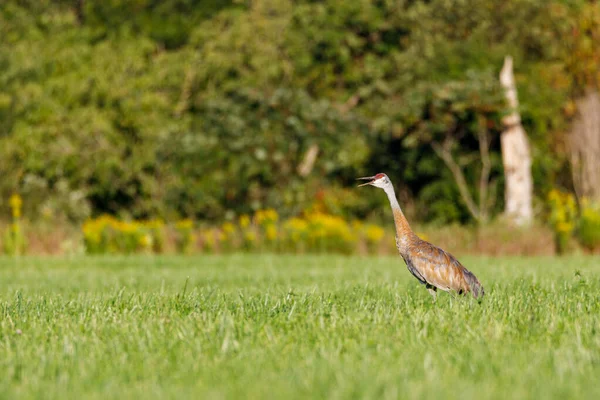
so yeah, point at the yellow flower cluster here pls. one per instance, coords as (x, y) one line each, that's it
(329, 233)
(271, 232)
(244, 221)
(14, 239)
(374, 233)
(228, 228)
(227, 236)
(209, 239)
(265, 228)
(15, 203)
(563, 216)
(370, 234)
(589, 225)
(317, 231)
(563, 211)
(265, 217)
(107, 234)
(250, 236)
(296, 229)
(314, 231)
(184, 224)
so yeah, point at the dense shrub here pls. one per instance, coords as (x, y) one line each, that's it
(206, 109)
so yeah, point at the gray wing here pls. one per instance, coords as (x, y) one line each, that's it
(439, 268)
(410, 265)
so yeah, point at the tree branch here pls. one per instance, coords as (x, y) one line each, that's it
(445, 153)
(307, 164)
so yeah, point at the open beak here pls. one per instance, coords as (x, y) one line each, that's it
(370, 178)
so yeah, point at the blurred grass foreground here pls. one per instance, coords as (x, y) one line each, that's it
(297, 327)
(116, 115)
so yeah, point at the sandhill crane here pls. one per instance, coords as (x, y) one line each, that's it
(431, 265)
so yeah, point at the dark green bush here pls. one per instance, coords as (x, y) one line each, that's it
(207, 108)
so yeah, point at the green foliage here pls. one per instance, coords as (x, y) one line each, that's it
(325, 327)
(242, 152)
(169, 23)
(205, 109)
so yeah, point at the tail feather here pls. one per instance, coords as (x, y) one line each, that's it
(474, 285)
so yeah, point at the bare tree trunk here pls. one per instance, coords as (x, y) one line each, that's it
(584, 146)
(516, 156)
(479, 211)
(444, 151)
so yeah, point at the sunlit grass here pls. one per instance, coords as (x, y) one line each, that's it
(295, 326)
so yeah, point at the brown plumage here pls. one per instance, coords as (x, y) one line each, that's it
(432, 266)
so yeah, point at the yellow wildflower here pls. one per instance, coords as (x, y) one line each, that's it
(184, 224)
(259, 217)
(228, 228)
(145, 241)
(564, 227)
(262, 217)
(271, 232)
(271, 215)
(249, 236)
(357, 225)
(374, 233)
(296, 228)
(15, 202)
(154, 223)
(209, 238)
(244, 221)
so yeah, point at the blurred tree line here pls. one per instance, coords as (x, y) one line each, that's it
(208, 108)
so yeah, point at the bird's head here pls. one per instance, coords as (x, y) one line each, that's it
(379, 180)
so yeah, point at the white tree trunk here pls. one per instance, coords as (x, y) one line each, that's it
(516, 155)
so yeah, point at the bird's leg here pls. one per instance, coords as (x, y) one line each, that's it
(432, 291)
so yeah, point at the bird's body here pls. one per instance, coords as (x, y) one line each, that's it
(432, 266)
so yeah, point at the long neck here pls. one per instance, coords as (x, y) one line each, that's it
(404, 235)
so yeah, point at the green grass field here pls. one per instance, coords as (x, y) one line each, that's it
(248, 326)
